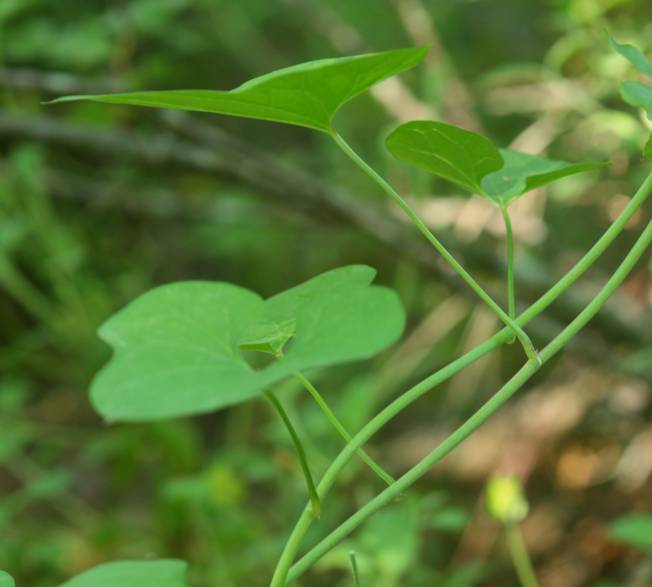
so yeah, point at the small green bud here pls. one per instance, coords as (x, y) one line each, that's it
(505, 499)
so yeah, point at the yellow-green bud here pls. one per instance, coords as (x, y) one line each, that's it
(505, 499)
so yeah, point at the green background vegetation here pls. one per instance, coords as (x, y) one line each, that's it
(100, 203)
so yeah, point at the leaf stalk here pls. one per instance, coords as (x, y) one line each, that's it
(301, 453)
(481, 415)
(341, 430)
(524, 339)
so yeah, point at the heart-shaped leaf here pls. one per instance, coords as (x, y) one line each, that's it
(458, 155)
(473, 162)
(308, 94)
(522, 172)
(178, 348)
(6, 580)
(634, 55)
(160, 573)
(638, 95)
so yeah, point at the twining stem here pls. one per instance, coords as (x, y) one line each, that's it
(480, 416)
(376, 423)
(430, 382)
(520, 556)
(530, 351)
(312, 490)
(332, 418)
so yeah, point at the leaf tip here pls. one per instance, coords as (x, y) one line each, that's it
(422, 50)
(62, 99)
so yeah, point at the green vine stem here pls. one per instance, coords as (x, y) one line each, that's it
(520, 557)
(332, 418)
(509, 234)
(530, 351)
(354, 568)
(479, 417)
(511, 288)
(310, 483)
(430, 382)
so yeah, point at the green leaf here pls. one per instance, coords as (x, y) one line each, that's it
(160, 573)
(307, 95)
(633, 55)
(458, 155)
(522, 173)
(6, 580)
(634, 530)
(637, 95)
(178, 348)
(647, 150)
(473, 162)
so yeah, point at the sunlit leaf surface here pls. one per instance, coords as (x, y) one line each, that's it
(473, 162)
(178, 348)
(308, 94)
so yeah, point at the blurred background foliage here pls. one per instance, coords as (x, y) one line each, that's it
(99, 204)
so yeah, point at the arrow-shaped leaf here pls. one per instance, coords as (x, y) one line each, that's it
(308, 94)
(522, 173)
(634, 55)
(178, 348)
(473, 162)
(160, 573)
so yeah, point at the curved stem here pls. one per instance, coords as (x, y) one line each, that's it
(530, 351)
(305, 519)
(332, 418)
(354, 568)
(292, 546)
(520, 556)
(511, 290)
(480, 416)
(303, 460)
